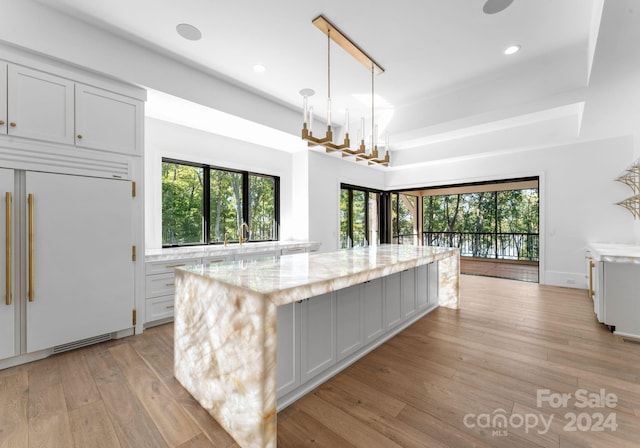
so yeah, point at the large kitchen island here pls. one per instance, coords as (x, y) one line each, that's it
(251, 336)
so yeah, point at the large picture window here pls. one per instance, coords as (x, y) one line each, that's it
(202, 204)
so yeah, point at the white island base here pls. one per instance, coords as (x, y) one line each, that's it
(226, 318)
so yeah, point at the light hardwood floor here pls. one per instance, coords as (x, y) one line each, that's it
(490, 357)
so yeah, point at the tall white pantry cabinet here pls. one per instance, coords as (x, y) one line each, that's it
(71, 214)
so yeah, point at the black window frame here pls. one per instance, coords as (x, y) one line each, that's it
(206, 196)
(350, 189)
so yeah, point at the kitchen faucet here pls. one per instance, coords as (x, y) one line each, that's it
(240, 233)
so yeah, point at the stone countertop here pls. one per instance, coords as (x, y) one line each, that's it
(173, 253)
(615, 253)
(295, 277)
(225, 328)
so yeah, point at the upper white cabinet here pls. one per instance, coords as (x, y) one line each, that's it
(108, 121)
(39, 105)
(3, 98)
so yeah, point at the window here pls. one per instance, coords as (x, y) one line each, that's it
(202, 204)
(500, 224)
(359, 219)
(404, 218)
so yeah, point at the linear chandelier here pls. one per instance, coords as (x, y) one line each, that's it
(362, 152)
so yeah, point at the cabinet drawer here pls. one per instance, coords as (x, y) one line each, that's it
(164, 267)
(159, 308)
(209, 261)
(293, 250)
(160, 285)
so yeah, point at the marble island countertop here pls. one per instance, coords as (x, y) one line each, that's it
(615, 253)
(169, 253)
(225, 329)
(295, 277)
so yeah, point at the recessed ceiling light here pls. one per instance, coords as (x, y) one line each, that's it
(495, 6)
(512, 49)
(189, 32)
(259, 68)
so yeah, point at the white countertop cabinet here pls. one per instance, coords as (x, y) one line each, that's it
(338, 327)
(161, 264)
(614, 286)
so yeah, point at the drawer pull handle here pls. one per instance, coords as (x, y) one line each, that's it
(12, 124)
(169, 307)
(1, 122)
(216, 261)
(175, 265)
(79, 136)
(169, 284)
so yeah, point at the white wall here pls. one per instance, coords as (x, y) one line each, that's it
(165, 139)
(325, 176)
(577, 196)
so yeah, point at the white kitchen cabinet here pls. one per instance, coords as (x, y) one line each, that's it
(211, 261)
(108, 121)
(3, 98)
(71, 299)
(434, 283)
(422, 286)
(293, 250)
(392, 300)
(408, 293)
(7, 304)
(257, 254)
(373, 303)
(160, 288)
(349, 321)
(621, 298)
(39, 105)
(288, 348)
(317, 335)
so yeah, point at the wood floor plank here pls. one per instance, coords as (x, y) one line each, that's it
(172, 421)
(199, 441)
(91, 426)
(14, 419)
(303, 431)
(349, 428)
(48, 418)
(132, 424)
(79, 387)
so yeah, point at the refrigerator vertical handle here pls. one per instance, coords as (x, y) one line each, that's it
(8, 243)
(591, 266)
(31, 293)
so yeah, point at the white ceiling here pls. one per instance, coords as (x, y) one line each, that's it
(445, 67)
